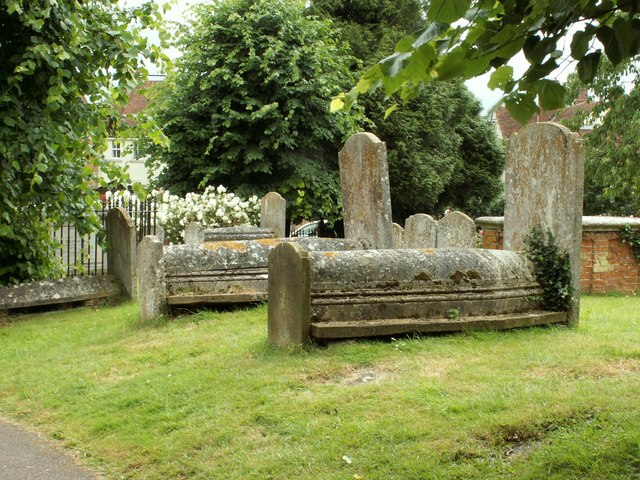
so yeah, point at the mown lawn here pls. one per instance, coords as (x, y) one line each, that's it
(205, 397)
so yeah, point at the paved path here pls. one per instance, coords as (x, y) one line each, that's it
(26, 456)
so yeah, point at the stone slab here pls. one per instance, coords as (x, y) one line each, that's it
(366, 200)
(386, 327)
(54, 292)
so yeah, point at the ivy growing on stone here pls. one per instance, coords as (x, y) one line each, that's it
(631, 237)
(552, 268)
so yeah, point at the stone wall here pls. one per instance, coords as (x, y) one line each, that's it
(608, 264)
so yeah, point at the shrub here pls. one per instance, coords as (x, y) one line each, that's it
(215, 207)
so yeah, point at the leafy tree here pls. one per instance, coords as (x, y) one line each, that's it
(612, 163)
(466, 38)
(441, 153)
(65, 69)
(247, 105)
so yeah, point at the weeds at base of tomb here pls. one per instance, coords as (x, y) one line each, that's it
(204, 397)
(552, 269)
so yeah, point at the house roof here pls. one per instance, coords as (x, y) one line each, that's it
(509, 125)
(137, 100)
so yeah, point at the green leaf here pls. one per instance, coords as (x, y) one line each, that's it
(337, 103)
(405, 44)
(452, 65)
(521, 106)
(580, 44)
(612, 46)
(447, 11)
(536, 50)
(416, 67)
(390, 110)
(434, 30)
(552, 95)
(500, 77)
(588, 66)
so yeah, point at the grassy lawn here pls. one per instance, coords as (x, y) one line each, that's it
(205, 397)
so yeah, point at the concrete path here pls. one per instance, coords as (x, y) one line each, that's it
(26, 456)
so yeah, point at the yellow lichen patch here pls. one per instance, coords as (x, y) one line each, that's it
(269, 242)
(229, 245)
(430, 251)
(329, 254)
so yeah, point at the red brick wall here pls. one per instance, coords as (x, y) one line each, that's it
(492, 239)
(608, 265)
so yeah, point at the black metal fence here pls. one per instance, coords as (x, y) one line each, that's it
(82, 255)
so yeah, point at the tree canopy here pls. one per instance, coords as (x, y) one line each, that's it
(441, 152)
(247, 105)
(66, 68)
(612, 160)
(466, 38)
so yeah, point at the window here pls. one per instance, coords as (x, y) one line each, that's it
(116, 149)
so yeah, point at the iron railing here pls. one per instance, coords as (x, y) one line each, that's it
(82, 255)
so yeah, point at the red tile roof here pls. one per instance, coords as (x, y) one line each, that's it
(137, 100)
(509, 125)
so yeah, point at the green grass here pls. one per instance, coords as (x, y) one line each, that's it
(205, 397)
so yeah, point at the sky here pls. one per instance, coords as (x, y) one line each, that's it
(179, 13)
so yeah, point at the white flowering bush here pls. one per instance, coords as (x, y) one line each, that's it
(215, 207)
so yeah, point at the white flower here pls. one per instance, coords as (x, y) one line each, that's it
(221, 189)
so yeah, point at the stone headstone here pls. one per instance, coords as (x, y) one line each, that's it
(193, 233)
(398, 236)
(420, 231)
(289, 305)
(153, 293)
(273, 213)
(366, 199)
(121, 253)
(160, 233)
(544, 178)
(456, 230)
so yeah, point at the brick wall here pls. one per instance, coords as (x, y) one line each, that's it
(608, 265)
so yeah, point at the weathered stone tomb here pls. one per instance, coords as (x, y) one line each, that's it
(328, 295)
(211, 272)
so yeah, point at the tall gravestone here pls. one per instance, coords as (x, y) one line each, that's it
(121, 254)
(456, 230)
(366, 200)
(273, 213)
(544, 178)
(420, 231)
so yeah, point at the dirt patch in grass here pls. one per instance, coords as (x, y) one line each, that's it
(518, 440)
(351, 375)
